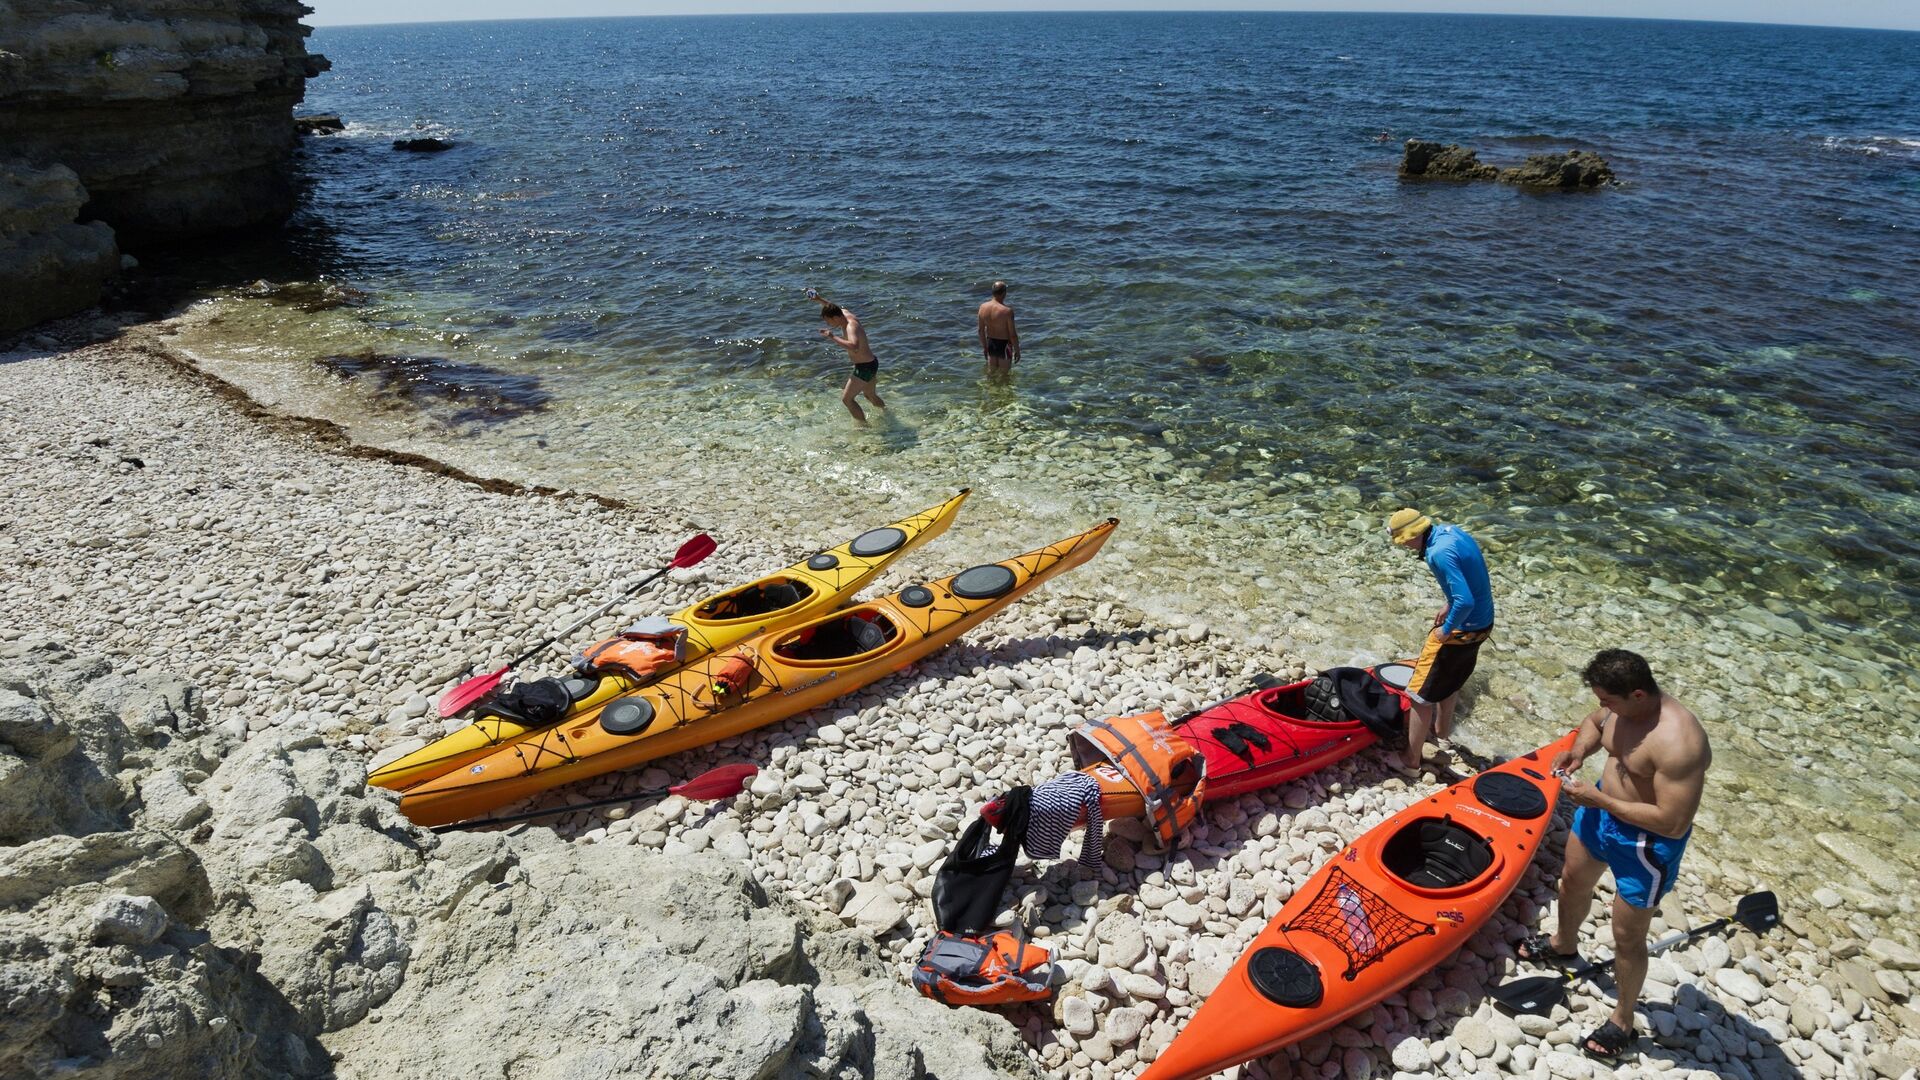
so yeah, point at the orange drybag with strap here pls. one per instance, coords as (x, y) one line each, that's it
(1000, 968)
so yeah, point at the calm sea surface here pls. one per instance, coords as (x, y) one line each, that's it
(1694, 398)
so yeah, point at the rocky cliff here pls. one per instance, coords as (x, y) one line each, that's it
(175, 115)
(177, 902)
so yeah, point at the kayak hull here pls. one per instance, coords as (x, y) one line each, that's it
(823, 587)
(785, 681)
(1388, 908)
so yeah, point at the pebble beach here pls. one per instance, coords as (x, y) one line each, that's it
(311, 585)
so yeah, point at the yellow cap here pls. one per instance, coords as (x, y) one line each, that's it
(1407, 523)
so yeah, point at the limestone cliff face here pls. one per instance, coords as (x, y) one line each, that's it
(50, 265)
(177, 115)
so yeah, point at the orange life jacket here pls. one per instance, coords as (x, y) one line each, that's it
(1000, 968)
(1169, 774)
(637, 656)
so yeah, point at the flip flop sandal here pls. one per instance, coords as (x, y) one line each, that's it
(1539, 949)
(1611, 1040)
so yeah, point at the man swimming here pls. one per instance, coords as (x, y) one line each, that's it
(999, 339)
(866, 367)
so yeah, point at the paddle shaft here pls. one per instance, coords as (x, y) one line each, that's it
(1660, 946)
(590, 616)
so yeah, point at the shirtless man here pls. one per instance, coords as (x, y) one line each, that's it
(866, 367)
(1635, 822)
(999, 341)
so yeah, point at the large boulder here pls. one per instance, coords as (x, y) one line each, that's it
(50, 263)
(215, 908)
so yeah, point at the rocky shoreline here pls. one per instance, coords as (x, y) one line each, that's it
(314, 595)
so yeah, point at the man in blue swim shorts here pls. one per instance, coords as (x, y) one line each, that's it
(1635, 821)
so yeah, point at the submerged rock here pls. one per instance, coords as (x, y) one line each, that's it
(480, 393)
(308, 296)
(422, 145)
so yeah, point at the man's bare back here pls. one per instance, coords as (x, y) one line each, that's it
(999, 337)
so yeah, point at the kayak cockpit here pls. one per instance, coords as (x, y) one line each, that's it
(756, 600)
(842, 638)
(1437, 855)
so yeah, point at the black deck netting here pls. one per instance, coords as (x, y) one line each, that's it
(1351, 916)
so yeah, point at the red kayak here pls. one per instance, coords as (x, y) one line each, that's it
(1267, 737)
(1388, 908)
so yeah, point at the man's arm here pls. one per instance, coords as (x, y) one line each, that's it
(980, 324)
(1453, 582)
(1677, 784)
(1013, 338)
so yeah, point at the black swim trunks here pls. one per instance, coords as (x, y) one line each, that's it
(866, 372)
(997, 348)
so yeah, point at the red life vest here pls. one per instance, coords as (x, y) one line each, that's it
(999, 968)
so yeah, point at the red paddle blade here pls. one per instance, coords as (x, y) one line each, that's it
(693, 551)
(462, 697)
(721, 783)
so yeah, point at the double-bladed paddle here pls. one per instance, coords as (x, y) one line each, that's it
(460, 698)
(1758, 912)
(721, 783)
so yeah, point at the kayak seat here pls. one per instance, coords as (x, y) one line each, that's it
(849, 635)
(1435, 853)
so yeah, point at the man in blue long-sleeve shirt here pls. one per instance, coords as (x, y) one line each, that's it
(1453, 647)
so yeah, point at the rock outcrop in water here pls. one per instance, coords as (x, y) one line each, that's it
(1572, 170)
(175, 901)
(176, 116)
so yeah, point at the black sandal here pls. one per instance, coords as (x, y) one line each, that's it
(1611, 1040)
(1539, 949)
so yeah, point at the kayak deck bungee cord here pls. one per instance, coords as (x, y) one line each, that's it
(769, 677)
(809, 588)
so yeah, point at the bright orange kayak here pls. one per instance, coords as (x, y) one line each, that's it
(768, 677)
(1391, 906)
(809, 588)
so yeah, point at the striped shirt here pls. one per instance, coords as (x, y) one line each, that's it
(1056, 809)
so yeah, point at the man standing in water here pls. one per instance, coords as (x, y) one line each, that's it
(999, 341)
(1452, 648)
(1635, 822)
(866, 367)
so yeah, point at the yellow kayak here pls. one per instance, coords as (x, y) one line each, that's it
(774, 675)
(809, 588)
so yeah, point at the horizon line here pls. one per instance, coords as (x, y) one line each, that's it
(1116, 11)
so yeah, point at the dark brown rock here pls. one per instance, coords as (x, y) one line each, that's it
(50, 264)
(1573, 170)
(423, 145)
(1428, 159)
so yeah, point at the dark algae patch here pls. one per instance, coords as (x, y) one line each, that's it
(478, 394)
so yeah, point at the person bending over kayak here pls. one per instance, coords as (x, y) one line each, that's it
(866, 367)
(999, 339)
(1452, 647)
(1635, 821)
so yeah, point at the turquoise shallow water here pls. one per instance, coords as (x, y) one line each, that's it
(1679, 413)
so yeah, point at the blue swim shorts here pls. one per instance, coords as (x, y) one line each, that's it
(1644, 864)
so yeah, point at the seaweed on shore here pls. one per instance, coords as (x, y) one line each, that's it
(482, 395)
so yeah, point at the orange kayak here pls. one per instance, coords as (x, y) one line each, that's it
(768, 677)
(809, 588)
(1391, 906)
